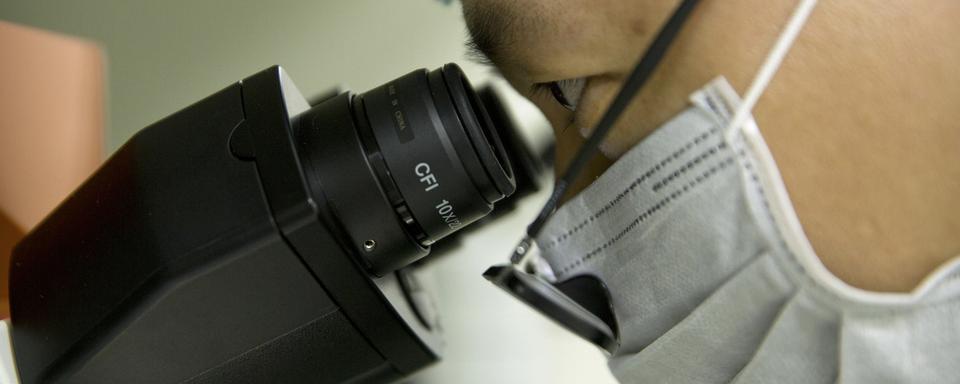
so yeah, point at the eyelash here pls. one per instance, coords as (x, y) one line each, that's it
(566, 92)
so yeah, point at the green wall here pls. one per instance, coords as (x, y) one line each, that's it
(164, 55)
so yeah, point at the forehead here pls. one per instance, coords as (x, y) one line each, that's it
(538, 38)
(498, 27)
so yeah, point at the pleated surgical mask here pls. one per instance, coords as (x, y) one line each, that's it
(705, 285)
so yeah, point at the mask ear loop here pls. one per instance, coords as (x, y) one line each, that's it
(770, 66)
(784, 213)
(742, 126)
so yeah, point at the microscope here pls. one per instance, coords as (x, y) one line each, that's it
(254, 238)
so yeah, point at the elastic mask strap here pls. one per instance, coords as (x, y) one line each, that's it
(770, 66)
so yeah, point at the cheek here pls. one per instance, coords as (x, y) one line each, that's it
(596, 99)
(597, 96)
(559, 117)
(624, 135)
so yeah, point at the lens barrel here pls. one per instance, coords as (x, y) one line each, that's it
(418, 155)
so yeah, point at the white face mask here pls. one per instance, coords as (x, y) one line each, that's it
(711, 279)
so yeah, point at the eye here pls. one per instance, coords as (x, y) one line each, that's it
(566, 92)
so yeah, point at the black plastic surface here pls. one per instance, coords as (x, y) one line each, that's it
(158, 208)
(554, 304)
(292, 358)
(198, 252)
(592, 295)
(315, 232)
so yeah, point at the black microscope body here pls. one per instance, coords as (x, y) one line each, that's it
(236, 242)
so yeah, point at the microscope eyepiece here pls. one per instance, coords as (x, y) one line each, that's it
(432, 150)
(440, 149)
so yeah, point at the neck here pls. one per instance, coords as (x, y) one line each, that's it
(861, 119)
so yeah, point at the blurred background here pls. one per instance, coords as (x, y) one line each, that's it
(138, 61)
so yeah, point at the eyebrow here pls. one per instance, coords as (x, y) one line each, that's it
(492, 27)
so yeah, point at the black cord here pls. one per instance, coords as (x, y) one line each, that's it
(648, 63)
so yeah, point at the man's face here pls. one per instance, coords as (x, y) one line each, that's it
(569, 57)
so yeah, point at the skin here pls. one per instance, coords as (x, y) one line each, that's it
(862, 117)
